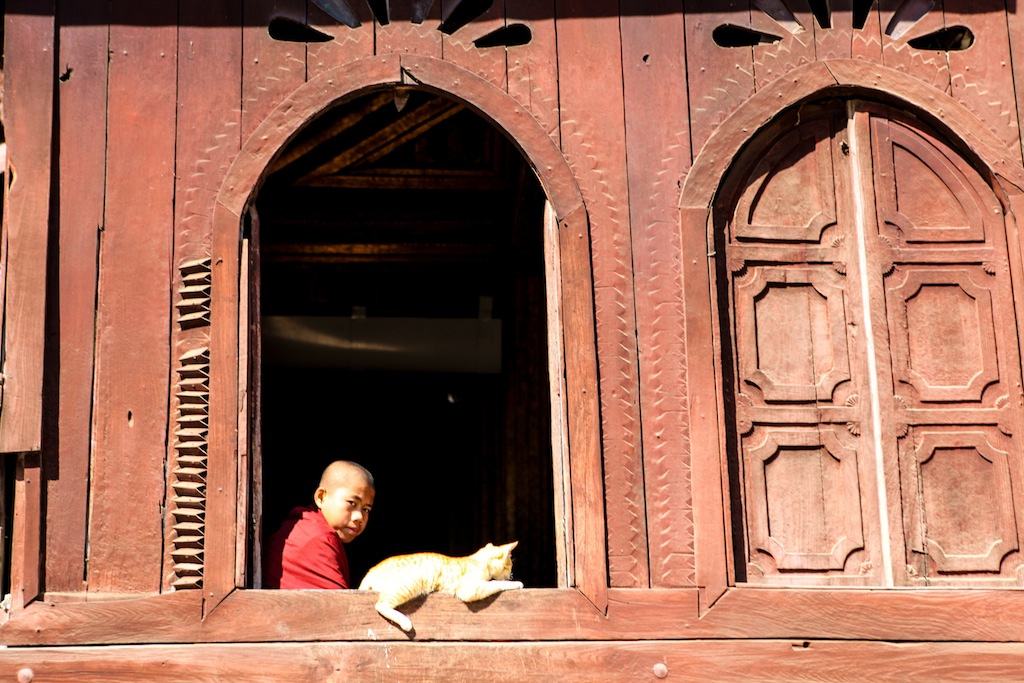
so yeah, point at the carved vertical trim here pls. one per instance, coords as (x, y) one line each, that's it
(191, 432)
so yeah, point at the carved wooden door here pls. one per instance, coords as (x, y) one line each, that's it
(872, 366)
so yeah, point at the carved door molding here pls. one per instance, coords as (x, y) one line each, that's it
(871, 371)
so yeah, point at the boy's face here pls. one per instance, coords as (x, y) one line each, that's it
(347, 506)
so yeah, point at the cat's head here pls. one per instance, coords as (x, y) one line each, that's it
(498, 559)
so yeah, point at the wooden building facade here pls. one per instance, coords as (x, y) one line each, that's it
(715, 307)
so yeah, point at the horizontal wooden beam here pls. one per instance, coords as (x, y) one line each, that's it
(529, 615)
(773, 660)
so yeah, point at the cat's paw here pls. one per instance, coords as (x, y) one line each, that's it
(515, 585)
(397, 618)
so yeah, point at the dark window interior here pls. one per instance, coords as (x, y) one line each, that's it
(403, 327)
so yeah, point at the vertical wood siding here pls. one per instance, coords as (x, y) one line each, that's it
(82, 129)
(630, 100)
(133, 316)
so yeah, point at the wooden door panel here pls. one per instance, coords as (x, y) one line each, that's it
(791, 322)
(924, 193)
(843, 442)
(791, 195)
(962, 519)
(942, 333)
(803, 496)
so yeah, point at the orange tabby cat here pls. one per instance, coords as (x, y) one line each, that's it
(474, 577)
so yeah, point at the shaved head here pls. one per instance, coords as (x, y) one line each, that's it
(341, 472)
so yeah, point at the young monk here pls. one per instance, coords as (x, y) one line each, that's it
(308, 550)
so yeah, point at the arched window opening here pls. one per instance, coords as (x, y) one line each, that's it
(403, 325)
(870, 357)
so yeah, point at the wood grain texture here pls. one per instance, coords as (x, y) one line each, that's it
(976, 616)
(403, 36)
(593, 141)
(28, 127)
(82, 116)
(458, 47)
(207, 140)
(131, 385)
(928, 66)
(719, 79)
(698, 660)
(533, 68)
(348, 43)
(271, 69)
(981, 78)
(658, 157)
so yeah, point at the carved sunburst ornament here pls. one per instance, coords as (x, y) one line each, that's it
(902, 20)
(454, 16)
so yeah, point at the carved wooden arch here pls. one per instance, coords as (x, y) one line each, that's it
(711, 166)
(239, 189)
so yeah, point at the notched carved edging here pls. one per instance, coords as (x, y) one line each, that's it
(194, 302)
(188, 478)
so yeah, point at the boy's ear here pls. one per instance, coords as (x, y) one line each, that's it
(319, 495)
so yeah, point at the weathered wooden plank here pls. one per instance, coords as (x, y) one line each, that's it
(530, 615)
(719, 79)
(26, 529)
(929, 66)
(774, 660)
(95, 618)
(593, 141)
(658, 157)
(705, 421)
(1015, 29)
(82, 138)
(133, 301)
(28, 122)
(981, 78)
(402, 35)
(349, 43)
(458, 47)
(794, 48)
(207, 141)
(581, 382)
(533, 68)
(271, 69)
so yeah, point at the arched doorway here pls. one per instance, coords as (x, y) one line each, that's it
(402, 300)
(870, 357)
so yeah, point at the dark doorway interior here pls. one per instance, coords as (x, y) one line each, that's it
(403, 326)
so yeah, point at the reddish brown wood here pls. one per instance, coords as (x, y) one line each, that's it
(271, 69)
(766, 661)
(1015, 30)
(795, 45)
(26, 530)
(348, 44)
(533, 68)
(403, 36)
(82, 138)
(131, 385)
(719, 78)
(28, 125)
(929, 66)
(458, 48)
(592, 47)
(658, 156)
(533, 614)
(581, 385)
(980, 77)
(209, 80)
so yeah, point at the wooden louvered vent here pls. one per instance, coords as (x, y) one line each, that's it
(188, 474)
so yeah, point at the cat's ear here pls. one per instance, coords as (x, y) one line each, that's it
(509, 547)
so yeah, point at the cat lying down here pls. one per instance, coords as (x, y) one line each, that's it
(474, 577)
